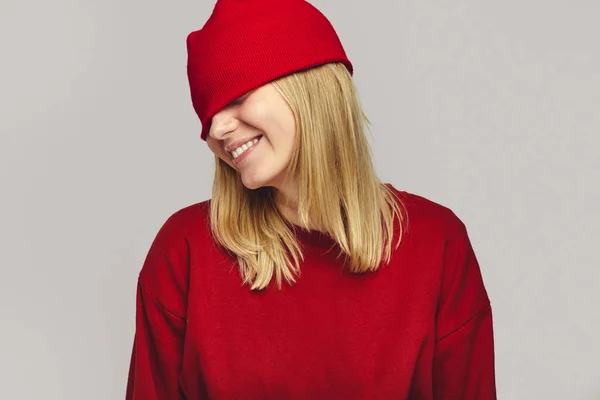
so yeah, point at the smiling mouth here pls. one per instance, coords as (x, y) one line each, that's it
(241, 150)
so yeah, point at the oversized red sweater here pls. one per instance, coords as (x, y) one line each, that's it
(418, 328)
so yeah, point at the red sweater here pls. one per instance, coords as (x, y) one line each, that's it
(418, 328)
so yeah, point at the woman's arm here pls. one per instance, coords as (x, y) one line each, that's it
(464, 353)
(157, 354)
(157, 350)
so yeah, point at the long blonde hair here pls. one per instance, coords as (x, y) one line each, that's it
(338, 189)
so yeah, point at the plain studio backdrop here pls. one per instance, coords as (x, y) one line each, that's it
(489, 108)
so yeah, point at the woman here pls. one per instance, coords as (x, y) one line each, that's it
(304, 277)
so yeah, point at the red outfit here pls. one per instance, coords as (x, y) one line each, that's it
(418, 328)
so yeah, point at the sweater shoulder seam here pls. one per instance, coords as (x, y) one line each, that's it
(487, 307)
(157, 300)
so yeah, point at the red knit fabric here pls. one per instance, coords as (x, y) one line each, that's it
(419, 328)
(246, 44)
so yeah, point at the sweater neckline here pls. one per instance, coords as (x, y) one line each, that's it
(312, 237)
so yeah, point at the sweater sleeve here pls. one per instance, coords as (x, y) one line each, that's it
(464, 353)
(157, 354)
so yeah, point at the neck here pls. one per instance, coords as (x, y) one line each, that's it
(286, 200)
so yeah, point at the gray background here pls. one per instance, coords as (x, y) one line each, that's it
(490, 108)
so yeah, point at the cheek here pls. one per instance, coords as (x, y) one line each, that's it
(212, 145)
(283, 118)
(276, 121)
(256, 114)
(289, 123)
(285, 127)
(217, 150)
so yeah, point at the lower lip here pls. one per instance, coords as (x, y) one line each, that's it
(245, 154)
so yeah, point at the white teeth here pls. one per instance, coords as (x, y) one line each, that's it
(237, 152)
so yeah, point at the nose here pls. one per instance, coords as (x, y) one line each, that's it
(223, 123)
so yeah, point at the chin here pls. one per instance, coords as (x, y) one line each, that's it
(260, 177)
(254, 183)
(252, 186)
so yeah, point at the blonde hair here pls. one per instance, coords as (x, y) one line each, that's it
(338, 189)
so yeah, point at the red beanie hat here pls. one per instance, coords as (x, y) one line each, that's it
(246, 44)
